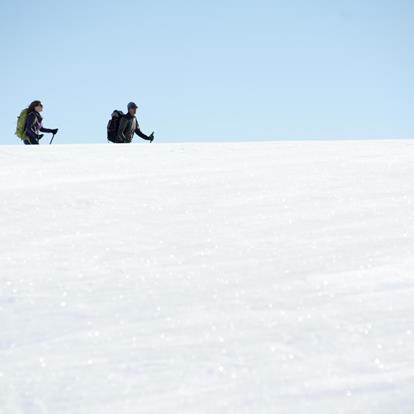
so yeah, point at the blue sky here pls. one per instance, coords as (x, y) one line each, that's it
(212, 71)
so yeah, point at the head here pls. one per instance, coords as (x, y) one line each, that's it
(132, 108)
(36, 106)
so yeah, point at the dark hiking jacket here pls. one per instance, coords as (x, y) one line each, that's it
(128, 126)
(34, 126)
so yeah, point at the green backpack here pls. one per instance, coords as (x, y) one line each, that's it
(21, 124)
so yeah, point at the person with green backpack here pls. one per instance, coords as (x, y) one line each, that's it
(30, 124)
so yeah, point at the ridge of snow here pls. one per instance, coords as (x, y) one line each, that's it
(220, 278)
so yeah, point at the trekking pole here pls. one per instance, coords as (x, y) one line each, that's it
(52, 139)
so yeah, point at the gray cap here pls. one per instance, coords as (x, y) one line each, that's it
(132, 105)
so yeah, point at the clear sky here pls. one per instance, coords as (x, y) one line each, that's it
(211, 70)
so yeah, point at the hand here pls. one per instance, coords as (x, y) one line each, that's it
(39, 137)
(55, 131)
(151, 137)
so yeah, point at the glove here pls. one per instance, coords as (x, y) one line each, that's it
(151, 138)
(54, 131)
(39, 137)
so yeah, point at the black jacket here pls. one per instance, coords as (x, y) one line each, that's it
(34, 126)
(128, 125)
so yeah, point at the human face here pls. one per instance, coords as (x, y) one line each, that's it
(133, 111)
(39, 108)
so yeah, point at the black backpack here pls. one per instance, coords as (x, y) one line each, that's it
(113, 126)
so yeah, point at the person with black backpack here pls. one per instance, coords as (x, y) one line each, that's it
(34, 125)
(122, 127)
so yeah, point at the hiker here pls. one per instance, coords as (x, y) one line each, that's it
(128, 126)
(34, 125)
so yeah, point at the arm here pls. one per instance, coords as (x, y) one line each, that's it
(123, 123)
(141, 134)
(47, 130)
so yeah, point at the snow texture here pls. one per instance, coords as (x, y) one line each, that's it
(207, 278)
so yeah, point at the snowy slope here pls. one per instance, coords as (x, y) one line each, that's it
(207, 278)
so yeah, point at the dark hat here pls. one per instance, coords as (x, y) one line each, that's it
(132, 105)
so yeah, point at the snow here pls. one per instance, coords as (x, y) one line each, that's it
(207, 278)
